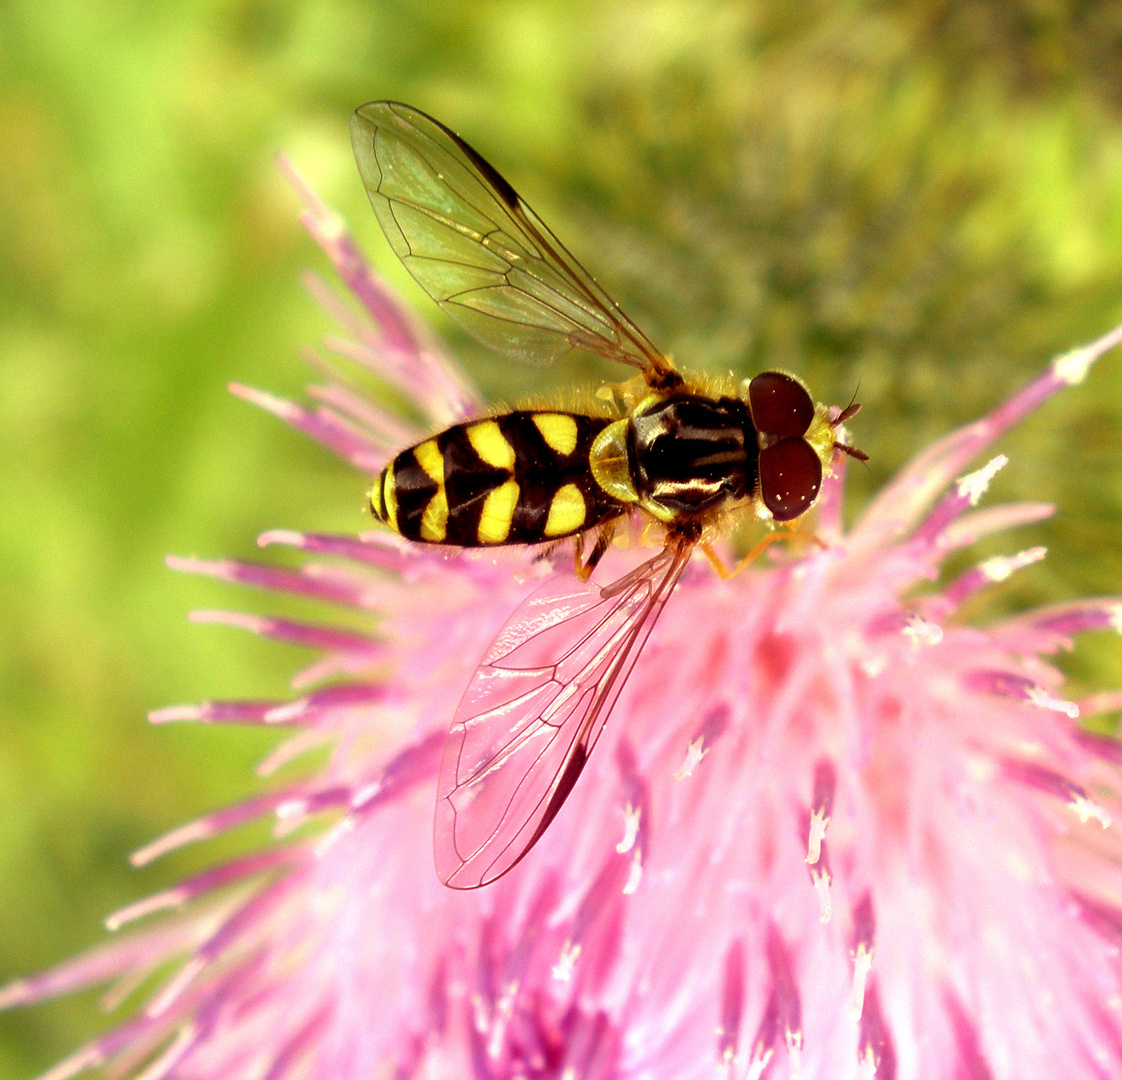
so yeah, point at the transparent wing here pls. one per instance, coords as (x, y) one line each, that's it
(533, 712)
(479, 251)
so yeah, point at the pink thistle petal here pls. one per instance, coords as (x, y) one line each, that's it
(901, 503)
(303, 742)
(343, 546)
(321, 704)
(416, 373)
(732, 1006)
(432, 377)
(864, 927)
(213, 824)
(896, 509)
(967, 492)
(384, 427)
(1060, 623)
(295, 812)
(825, 783)
(971, 1062)
(1018, 688)
(1058, 786)
(1105, 919)
(710, 730)
(636, 815)
(874, 1046)
(331, 704)
(97, 1053)
(141, 951)
(1106, 747)
(975, 526)
(329, 232)
(408, 563)
(308, 582)
(992, 571)
(593, 930)
(215, 712)
(320, 424)
(358, 325)
(413, 765)
(300, 1043)
(403, 370)
(294, 633)
(215, 878)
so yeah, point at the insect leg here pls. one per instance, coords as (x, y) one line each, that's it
(603, 542)
(578, 557)
(725, 572)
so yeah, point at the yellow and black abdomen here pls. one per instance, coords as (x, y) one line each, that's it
(519, 478)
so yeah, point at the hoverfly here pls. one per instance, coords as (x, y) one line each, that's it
(685, 452)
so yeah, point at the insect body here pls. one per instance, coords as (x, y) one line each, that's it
(686, 453)
(530, 477)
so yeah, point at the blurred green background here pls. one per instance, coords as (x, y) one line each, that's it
(923, 198)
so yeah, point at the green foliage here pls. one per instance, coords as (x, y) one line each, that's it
(921, 198)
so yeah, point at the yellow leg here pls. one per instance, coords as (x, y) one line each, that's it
(771, 538)
(603, 540)
(578, 559)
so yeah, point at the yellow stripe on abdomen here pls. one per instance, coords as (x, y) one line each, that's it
(558, 430)
(376, 496)
(389, 498)
(492, 446)
(498, 513)
(434, 520)
(567, 511)
(430, 459)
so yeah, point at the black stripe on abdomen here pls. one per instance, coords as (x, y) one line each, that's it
(542, 471)
(468, 490)
(468, 481)
(413, 489)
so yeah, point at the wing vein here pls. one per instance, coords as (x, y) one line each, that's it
(532, 715)
(431, 191)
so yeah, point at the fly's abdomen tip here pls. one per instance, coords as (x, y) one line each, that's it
(382, 498)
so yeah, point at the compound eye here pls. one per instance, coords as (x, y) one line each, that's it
(790, 476)
(781, 407)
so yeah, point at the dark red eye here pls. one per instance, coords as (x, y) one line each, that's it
(781, 407)
(790, 476)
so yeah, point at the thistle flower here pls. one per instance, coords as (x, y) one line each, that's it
(829, 831)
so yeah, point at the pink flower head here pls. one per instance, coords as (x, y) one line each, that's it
(829, 830)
